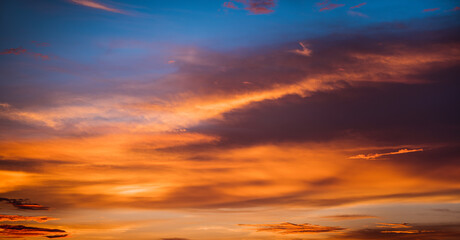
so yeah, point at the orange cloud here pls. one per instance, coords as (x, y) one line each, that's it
(394, 225)
(376, 155)
(291, 228)
(16, 218)
(95, 4)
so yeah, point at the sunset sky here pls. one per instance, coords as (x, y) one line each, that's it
(230, 120)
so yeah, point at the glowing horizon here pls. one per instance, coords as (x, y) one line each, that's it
(229, 120)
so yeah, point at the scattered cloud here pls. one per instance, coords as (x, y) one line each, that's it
(253, 6)
(24, 204)
(24, 231)
(230, 5)
(20, 50)
(260, 6)
(291, 228)
(359, 5)
(431, 9)
(16, 218)
(15, 51)
(376, 155)
(97, 5)
(42, 56)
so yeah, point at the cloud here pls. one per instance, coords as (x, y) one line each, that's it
(419, 232)
(20, 50)
(230, 5)
(345, 217)
(291, 228)
(326, 5)
(260, 6)
(97, 5)
(16, 218)
(358, 6)
(24, 231)
(42, 56)
(394, 225)
(376, 155)
(304, 51)
(431, 9)
(253, 6)
(15, 51)
(24, 204)
(354, 13)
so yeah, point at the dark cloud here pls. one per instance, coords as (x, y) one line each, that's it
(24, 231)
(390, 113)
(291, 228)
(29, 165)
(23, 204)
(407, 232)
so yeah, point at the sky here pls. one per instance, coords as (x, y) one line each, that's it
(230, 120)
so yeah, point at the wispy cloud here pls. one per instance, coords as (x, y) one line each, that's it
(20, 50)
(431, 9)
(291, 228)
(16, 218)
(97, 5)
(394, 225)
(376, 155)
(230, 5)
(24, 231)
(15, 51)
(253, 6)
(358, 6)
(326, 5)
(24, 204)
(305, 51)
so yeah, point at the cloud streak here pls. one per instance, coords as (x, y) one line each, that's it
(24, 204)
(373, 156)
(16, 218)
(96, 5)
(24, 231)
(291, 228)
